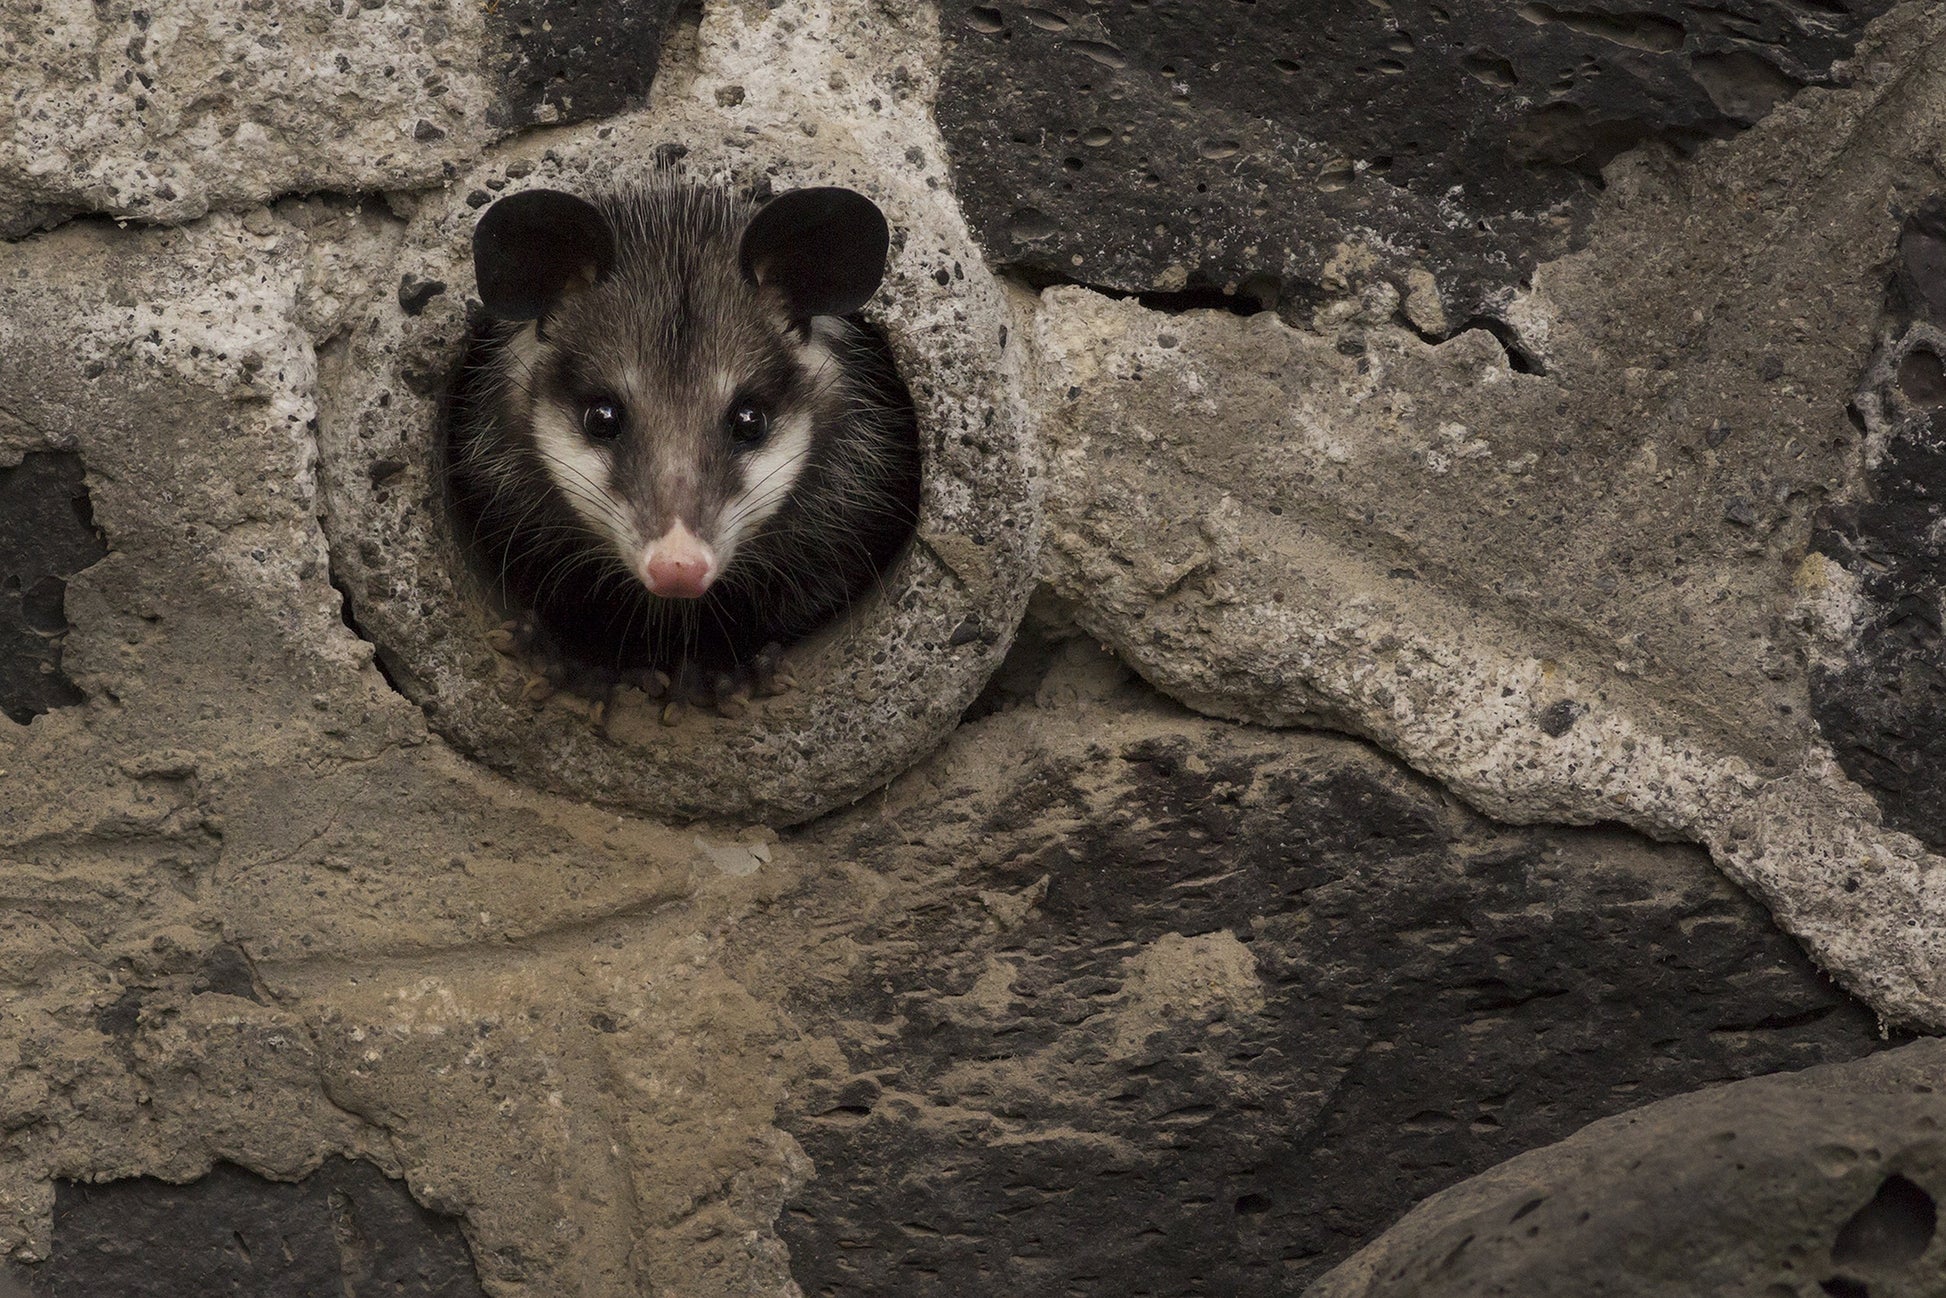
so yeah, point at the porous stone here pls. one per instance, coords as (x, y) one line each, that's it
(1824, 1182)
(1879, 686)
(344, 1228)
(164, 112)
(161, 113)
(568, 61)
(873, 692)
(256, 915)
(1527, 583)
(1284, 151)
(1132, 1001)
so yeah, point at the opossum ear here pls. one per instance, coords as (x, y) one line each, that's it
(532, 248)
(823, 249)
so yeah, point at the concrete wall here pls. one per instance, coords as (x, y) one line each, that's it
(1425, 634)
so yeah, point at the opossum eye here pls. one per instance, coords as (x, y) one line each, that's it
(603, 420)
(747, 423)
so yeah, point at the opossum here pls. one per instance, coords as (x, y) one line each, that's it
(674, 442)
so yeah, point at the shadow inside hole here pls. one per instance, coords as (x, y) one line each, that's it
(1893, 1230)
(1922, 377)
(1256, 292)
(531, 553)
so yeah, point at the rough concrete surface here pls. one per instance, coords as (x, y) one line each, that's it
(1825, 1182)
(162, 112)
(964, 925)
(1585, 594)
(1135, 1002)
(1244, 150)
(345, 1229)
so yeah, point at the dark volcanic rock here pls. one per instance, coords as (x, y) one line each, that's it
(1814, 1183)
(572, 60)
(1238, 1000)
(1882, 705)
(345, 1229)
(1146, 146)
(47, 535)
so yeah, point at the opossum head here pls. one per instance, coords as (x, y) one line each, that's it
(671, 360)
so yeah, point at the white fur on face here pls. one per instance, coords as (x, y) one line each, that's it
(769, 473)
(580, 472)
(578, 469)
(772, 470)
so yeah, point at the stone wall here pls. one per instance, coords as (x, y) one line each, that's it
(1424, 636)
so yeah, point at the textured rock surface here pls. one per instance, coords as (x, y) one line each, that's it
(572, 60)
(888, 683)
(344, 1229)
(275, 897)
(1287, 149)
(46, 536)
(161, 113)
(1576, 595)
(1153, 1004)
(254, 915)
(1825, 1182)
(1881, 701)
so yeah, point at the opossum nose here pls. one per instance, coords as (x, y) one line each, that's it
(678, 564)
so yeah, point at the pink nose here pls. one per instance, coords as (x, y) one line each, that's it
(678, 564)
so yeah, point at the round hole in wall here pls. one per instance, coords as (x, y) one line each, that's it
(874, 690)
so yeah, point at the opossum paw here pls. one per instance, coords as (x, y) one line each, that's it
(543, 670)
(515, 636)
(732, 694)
(770, 674)
(521, 640)
(599, 710)
(764, 676)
